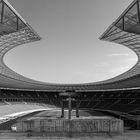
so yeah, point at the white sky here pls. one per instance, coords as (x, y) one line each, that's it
(70, 51)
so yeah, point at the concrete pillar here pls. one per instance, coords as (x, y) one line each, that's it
(138, 125)
(62, 111)
(77, 109)
(69, 105)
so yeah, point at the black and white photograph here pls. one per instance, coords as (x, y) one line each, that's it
(69, 69)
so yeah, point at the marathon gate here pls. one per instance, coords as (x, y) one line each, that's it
(74, 126)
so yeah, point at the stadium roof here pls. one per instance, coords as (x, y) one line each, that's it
(14, 31)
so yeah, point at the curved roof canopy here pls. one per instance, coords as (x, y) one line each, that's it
(14, 31)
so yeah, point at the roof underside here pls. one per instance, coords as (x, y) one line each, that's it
(14, 31)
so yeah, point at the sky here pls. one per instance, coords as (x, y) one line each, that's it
(70, 50)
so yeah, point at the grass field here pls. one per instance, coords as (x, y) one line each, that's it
(129, 135)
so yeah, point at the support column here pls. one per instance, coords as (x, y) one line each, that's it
(62, 110)
(138, 125)
(138, 11)
(2, 12)
(69, 105)
(77, 109)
